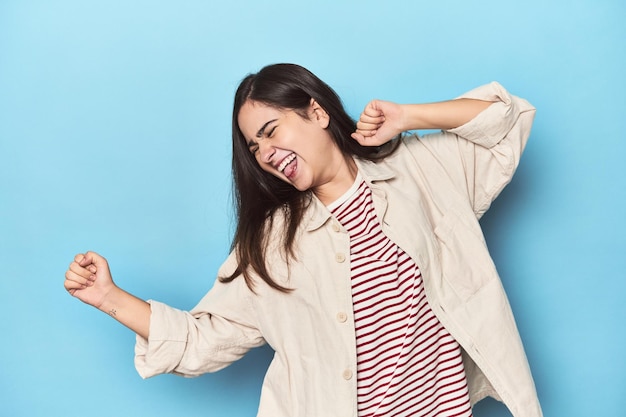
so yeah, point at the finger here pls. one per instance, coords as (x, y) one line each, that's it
(372, 109)
(362, 139)
(358, 137)
(78, 279)
(95, 259)
(367, 126)
(87, 261)
(373, 119)
(83, 259)
(85, 272)
(76, 282)
(72, 287)
(366, 132)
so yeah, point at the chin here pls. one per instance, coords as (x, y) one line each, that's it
(303, 189)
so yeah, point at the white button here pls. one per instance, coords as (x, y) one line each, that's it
(336, 227)
(342, 317)
(340, 257)
(347, 374)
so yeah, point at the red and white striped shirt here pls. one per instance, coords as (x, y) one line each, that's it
(407, 363)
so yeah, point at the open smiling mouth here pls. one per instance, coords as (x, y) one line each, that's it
(288, 165)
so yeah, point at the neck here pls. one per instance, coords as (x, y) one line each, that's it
(341, 181)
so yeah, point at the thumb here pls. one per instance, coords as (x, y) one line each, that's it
(90, 258)
(82, 260)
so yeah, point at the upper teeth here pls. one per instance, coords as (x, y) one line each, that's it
(286, 162)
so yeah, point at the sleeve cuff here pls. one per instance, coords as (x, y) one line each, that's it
(162, 352)
(491, 125)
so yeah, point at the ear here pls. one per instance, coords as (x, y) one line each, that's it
(318, 114)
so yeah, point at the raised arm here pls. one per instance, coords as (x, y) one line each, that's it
(481, 139)
(89, 279)
(381, 120)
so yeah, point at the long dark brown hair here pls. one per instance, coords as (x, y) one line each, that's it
(257, 194)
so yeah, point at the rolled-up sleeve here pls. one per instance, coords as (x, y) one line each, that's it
(481, 156)
(216, 333)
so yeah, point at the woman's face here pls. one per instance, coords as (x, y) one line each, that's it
(300, 152)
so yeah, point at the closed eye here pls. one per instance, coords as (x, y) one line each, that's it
(253, 147)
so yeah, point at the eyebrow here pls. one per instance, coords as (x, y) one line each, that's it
(262, 129)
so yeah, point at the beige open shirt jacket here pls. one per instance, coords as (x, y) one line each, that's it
(429, 196)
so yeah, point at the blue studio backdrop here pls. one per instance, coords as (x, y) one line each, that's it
(115, 137)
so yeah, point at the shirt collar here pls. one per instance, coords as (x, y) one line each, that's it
(317, 213)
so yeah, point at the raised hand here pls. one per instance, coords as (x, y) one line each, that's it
(88, 278)
(383, 120)
(379, 122)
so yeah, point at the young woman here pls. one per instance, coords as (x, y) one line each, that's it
(358, 257)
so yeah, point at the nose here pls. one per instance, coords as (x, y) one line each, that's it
(266, 151)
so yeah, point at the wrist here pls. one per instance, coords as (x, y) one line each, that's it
(413, 117)
(129, 310)
(110, 302)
